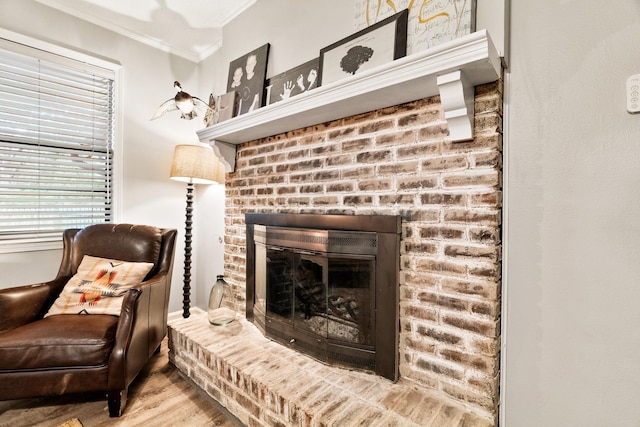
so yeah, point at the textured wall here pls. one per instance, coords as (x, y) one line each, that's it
(572, 203)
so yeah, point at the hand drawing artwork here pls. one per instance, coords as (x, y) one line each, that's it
(430, 22)
(293, 82)
(247, 77)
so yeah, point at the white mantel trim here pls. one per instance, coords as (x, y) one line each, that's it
(467, 61)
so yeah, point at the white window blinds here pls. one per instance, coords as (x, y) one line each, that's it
(56, 139)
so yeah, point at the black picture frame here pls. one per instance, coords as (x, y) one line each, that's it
(295, 81)
(377, 44)
(247, 77)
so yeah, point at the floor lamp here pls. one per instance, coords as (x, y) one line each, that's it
(193, 164)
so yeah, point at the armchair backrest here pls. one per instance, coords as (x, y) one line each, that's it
(126, 242)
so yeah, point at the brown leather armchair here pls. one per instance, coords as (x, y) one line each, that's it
(76, 353)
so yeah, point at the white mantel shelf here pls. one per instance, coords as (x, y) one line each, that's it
(451, 70)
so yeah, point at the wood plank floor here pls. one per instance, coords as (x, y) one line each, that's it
(159, 396)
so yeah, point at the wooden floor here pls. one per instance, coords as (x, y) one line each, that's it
(160, 396)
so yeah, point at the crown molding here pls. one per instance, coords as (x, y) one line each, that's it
(193, 55)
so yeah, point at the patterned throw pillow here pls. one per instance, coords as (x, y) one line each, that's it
(99, 286)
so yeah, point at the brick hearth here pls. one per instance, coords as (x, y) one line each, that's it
(266, 384)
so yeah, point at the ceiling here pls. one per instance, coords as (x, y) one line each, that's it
(191, 29)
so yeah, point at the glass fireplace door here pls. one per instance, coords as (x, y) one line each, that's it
(322, 295)
(327, 286)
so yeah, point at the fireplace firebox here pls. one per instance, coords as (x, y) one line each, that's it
(327, 285)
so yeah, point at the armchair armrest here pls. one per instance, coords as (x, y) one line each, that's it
(137, 331)
(24, 304)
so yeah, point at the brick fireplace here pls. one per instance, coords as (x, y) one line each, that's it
(399, 161)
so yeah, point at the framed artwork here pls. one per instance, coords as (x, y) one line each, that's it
(247, 77)
(380, 43)
(430, 23)
(227, 106)
(293, 82)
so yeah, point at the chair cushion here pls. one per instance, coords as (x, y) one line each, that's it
(63, 341)
(98, 287)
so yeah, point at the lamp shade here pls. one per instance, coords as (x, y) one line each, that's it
(196, 164)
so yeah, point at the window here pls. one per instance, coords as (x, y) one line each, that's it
(56, 144)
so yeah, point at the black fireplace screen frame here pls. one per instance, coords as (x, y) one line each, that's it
(383, 357)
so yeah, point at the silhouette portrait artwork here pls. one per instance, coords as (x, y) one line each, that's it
(247, 78)
(366, 49)
(355, 57)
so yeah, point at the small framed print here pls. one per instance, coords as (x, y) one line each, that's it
(378, 44)
(292, 82)
(227, 106)
(247, 77)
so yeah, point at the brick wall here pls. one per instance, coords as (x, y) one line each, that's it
(399, 161)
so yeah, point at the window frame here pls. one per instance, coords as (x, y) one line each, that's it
(17, 42)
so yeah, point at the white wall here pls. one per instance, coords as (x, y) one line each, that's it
(148, 196)
(296, 31)
(573, 252)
